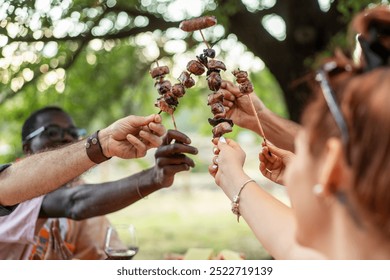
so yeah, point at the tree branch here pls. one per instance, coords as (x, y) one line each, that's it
(8, 94)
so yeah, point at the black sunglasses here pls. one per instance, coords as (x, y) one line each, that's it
(330, 97)
(56, 133)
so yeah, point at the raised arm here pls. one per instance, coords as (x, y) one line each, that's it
(89, 200)
(278, 130)
(41, 173)
(272, 222)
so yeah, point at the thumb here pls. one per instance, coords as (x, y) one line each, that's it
(152, 118)
(275, 150)
(138, 121)
(283, 154)
(157, 118)
(221, 142)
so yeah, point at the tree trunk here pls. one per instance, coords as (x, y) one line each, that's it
(308, 30)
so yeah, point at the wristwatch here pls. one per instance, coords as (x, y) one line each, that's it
(94, 149)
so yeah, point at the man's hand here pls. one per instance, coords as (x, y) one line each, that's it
(239, 107)
(171, 159)
(132, 136)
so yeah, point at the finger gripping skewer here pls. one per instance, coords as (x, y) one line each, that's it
(246, 87)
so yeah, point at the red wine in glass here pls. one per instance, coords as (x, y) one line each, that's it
(121, 254)
(121, 242)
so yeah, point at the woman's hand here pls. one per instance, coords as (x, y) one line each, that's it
(132, 136)
(239, 107)
(273, 162)
(227, 165)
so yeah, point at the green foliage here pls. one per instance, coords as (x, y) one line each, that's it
(100, 80)
(350, 7)
(342, 40)
(269, 92)
(95, 94)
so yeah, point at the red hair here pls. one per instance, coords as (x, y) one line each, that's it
(365, 105)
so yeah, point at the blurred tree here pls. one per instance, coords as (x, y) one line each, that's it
(92, 56)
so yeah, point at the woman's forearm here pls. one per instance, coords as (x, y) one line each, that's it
(273, 224)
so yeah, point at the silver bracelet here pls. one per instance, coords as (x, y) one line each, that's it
(138, 191)
(236, 200)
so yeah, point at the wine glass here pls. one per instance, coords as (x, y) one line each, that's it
(121, 242)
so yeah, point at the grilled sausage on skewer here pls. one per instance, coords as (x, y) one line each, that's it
(198, 23)
(195, 67)
(164, 106)
(214, 81)
(215, 97)
(216, 64)
(159, 71)
(244, 84)
(222, 128)
(163, 86)
(186, 80)
(178, 90)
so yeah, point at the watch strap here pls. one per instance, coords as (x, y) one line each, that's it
(94, 149)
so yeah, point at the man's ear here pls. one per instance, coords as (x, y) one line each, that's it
(333, 169)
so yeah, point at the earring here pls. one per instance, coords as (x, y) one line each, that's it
(318, 189)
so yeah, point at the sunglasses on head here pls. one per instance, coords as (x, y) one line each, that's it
(56, 133)
(322, 77)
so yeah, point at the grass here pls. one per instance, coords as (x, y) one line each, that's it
(193, 213)
(173, 220)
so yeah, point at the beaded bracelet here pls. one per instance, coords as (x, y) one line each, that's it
(236, 200)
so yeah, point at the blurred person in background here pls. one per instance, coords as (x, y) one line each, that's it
(82, 205)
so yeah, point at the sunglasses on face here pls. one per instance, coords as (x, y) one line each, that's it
(56, 133)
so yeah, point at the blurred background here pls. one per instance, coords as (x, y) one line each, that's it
(92, 57)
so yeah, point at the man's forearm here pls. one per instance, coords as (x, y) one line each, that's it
(279, 131)
(42, 173)
(86, 201)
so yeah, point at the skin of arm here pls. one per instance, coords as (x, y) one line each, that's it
(89, 200)
(41, 173)
(277, 130)
(271, 221)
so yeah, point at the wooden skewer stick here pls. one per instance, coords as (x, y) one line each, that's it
(174, 122)
(204, 40)
(258, 120)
